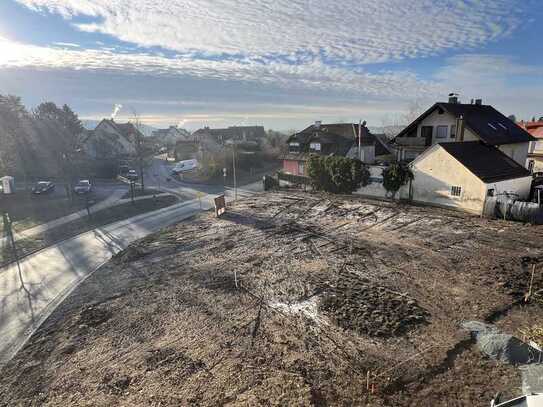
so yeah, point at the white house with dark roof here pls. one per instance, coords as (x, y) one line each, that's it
(459, 122)
(110, 140)
(462, 175)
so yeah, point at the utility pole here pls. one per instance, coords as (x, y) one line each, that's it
(234, 170)
(132, 187)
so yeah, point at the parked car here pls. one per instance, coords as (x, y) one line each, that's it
(43, 187)
(83, 186)
(132, 175)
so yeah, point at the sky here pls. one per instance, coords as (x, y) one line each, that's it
(283, 64)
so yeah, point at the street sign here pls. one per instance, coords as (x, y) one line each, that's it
(220, 205)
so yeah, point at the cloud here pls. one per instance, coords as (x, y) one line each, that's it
(500, 80)
(315, 75)
(358, 31)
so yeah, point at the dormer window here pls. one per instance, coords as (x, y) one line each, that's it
(315, 146)
(294, 147)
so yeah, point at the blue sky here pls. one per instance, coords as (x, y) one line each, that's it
(282, 64)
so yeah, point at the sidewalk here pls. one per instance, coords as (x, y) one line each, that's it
(113, 200)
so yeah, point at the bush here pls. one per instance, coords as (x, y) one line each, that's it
(395, 176)
(339, 175)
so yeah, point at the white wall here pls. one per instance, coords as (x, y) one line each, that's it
(517, 151)
(436, 172)
(519, 186)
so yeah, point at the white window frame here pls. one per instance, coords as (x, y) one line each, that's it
(456, 191)
(315, 146)
(301, 167)
(453, 131)
(445, 134)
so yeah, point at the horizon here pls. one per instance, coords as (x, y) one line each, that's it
(274, 66)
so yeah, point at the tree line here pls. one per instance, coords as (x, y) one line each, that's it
(43, 142)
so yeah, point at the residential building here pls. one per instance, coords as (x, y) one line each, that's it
(535, 154)
(340, 139)
(110, 140)
(459, 122)
(464, 174)
(170, 136)
(245, 134)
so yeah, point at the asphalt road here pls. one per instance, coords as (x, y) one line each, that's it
(31, 291)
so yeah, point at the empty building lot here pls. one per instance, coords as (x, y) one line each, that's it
(291, 299)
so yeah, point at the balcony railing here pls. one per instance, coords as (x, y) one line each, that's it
(411, 141)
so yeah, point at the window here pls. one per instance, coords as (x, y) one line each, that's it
(294, 147)
(301, 167)
(453, 131)
(490, 192)
(442, 131)
(315, 146)
(531, 166)
(456, 191)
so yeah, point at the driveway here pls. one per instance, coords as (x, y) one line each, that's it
(30, 291)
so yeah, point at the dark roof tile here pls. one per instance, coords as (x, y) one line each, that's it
(486, 162)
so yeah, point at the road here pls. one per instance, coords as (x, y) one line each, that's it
(31, 291)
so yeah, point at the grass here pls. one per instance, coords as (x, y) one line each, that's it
(27, 211)
(139, 192)
(103, 217)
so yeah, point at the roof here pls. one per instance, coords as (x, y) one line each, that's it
(486, 162)
(487, 123)
(233, 132)
(343, 134)
(125, 129)
(534, 128)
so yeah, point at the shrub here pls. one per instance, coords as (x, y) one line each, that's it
(338, 175)
(395, 176)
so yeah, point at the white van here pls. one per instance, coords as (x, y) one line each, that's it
(184, 166)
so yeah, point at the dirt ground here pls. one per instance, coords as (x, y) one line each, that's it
(291, 299)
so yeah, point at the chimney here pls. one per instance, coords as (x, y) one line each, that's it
(453, 97)
(460, 128)
(318, 124)
(478, 102)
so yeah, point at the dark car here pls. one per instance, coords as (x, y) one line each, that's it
(83, 187)
(43, 187)
(132, 175)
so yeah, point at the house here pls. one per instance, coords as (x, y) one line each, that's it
(169, 136)
(463, 174)
(459, 122)
(110, 140)
(341, 139)
(535, 154)
(245, 134)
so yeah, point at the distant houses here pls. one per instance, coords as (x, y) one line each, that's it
(170, 136)
(223, 136)
(340, 139)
